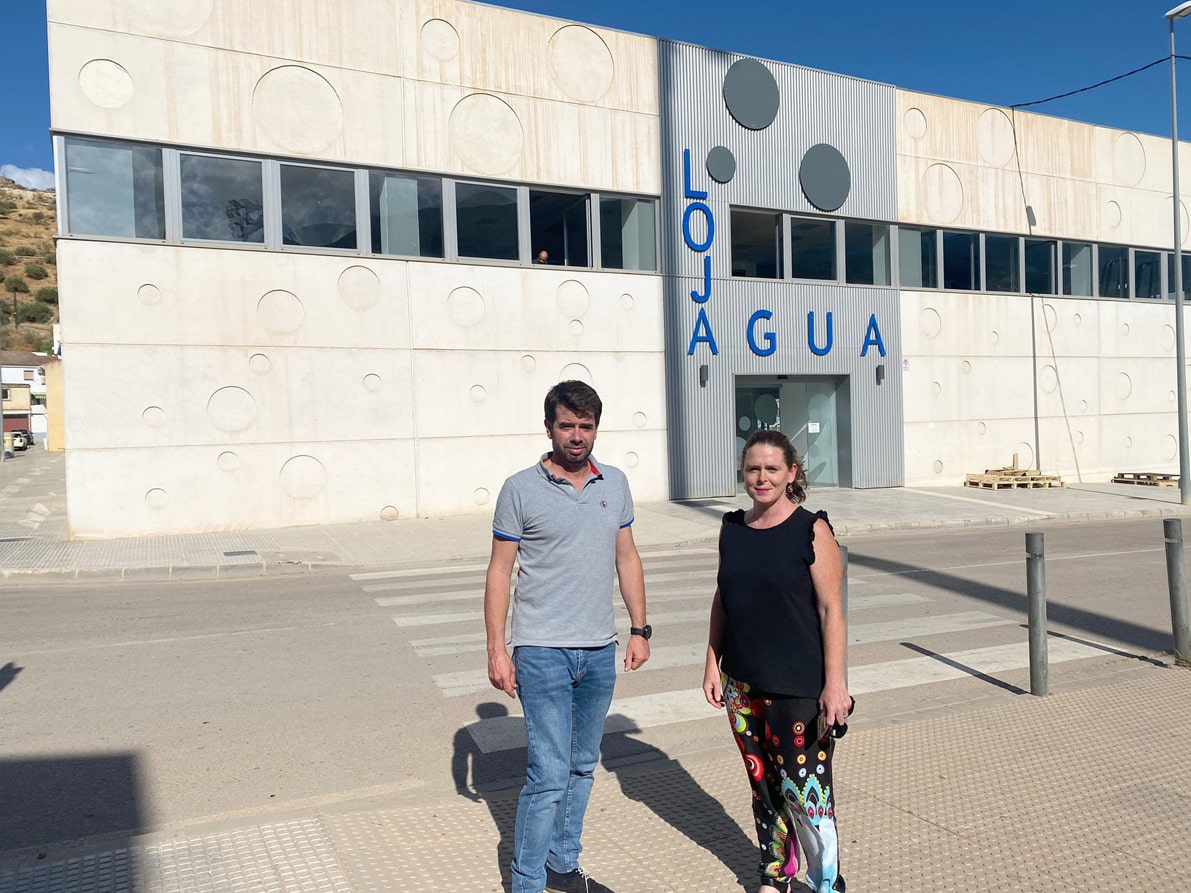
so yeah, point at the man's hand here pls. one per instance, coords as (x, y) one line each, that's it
(501, 672)
(636, 653)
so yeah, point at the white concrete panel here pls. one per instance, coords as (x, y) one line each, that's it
(1137, 329)
(1071, 327)
(1139, 443)
(1130, 385)
(507, 51)
(162, 396)
(1072, 447)
(155, 294)
(936, 323)
(1068, 387)
(360, 35)
(531, 309)
(451, 478)
(135, 492)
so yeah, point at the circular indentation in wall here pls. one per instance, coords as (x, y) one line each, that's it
(981, 428)
(575, 372)
(931, 322)
(994, 137)
(938, 466)
(751, 94)
(485, 133)
(1128, 159)
(1077, 319)
(528, 363)
(1048, 379)
(1050, 317)
(1127, 441)
(1111, 215)
(106, 83)
(359, 287)
(149, 294)
(639, 420)
(965, 367)
(575, 327)
(156, 498)
(573, 299)
(1124, 385)
(936, 388)
(1083, 405)
(440, 40)
(721, 164)
(581, 64)
(303, 477)
(481, 496)
(389, 513)
(1125, 328)
(914, 123)
(227, 461)
(994, 336)
(477, 393)
(626, 301)
(1079, 437)
(1167, 338)
(944, 193)
(1185, 228)
(280, 312)
(1025, 455)
(168, 19)
(465, 306)
(825, 177)
(297, 109)
(153, 416)
(631, 460)
(1170, 446)
(373, 382)
(744, 423)
(231, 409)
(765, 409)
(259, 363)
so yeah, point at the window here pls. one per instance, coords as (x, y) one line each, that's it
(1114, 271)
(318, 207)
(756, 244)
(1040, 266)
(812, 248)
(961, 261)
(628, 239)
(866, 253)
(222, 199)
(114, 189)
(1186, 265)
(406, 214)
(1001, 263)
(558, 226)
(1077, 268)
(1147, 274)
(486, 221)
(918, 256)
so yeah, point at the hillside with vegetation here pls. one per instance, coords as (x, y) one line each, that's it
(28, 267)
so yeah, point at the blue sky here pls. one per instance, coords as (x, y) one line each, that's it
(1009, 52)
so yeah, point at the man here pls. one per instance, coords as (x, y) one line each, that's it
(566, 521)
(543, 257)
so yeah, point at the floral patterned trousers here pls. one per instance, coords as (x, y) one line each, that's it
(789, 769)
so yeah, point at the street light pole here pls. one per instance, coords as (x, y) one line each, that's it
(1183, 9)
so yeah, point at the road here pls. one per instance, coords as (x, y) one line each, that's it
(128, 707)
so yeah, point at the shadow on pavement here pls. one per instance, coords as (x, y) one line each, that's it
(474, 771)
(8, 673)
(679, 801)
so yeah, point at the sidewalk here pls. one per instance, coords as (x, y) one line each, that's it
(33, 529)
(1084, 790)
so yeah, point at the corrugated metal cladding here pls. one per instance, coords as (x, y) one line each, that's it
(858, 119)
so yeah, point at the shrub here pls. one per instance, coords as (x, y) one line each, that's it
(5, 313)
(35, 271)
(16, 285)
(26, 251)
(52, 259)
(7, 258)
(34, 312)
(38, 217)
(47, 295)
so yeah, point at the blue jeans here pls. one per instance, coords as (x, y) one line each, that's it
(565, 693)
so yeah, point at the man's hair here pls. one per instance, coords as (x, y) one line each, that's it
(577, 396)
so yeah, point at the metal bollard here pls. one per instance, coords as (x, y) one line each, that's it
(1173, 529)
(1036, 597)
(843, 597)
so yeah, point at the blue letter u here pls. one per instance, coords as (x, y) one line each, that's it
(810, 335)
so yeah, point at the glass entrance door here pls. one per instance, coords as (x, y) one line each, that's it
(805, 409)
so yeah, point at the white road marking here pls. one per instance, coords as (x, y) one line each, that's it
(914, 627)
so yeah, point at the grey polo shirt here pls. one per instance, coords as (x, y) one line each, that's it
(566, 552)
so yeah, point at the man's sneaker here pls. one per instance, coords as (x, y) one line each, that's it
(576, 881)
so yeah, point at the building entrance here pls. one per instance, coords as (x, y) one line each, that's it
(813, 411)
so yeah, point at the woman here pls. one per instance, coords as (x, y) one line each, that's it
(775, 657)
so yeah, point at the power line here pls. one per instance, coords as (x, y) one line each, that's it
(1119, 77)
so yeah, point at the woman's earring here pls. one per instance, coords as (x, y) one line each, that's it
(790, 491)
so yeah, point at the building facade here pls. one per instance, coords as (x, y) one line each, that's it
(304, 240)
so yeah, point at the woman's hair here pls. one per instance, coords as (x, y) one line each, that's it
(782, 442)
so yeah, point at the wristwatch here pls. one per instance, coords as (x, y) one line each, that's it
(645, 632)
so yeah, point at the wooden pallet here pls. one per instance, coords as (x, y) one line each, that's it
(997, 479)
(1148, 479)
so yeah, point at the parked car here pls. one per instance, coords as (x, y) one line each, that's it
(29, 439)
(19, 442)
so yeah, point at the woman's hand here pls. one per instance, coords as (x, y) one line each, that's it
(713, 688)
(835, 703)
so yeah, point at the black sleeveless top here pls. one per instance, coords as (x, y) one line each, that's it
(772, 638)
